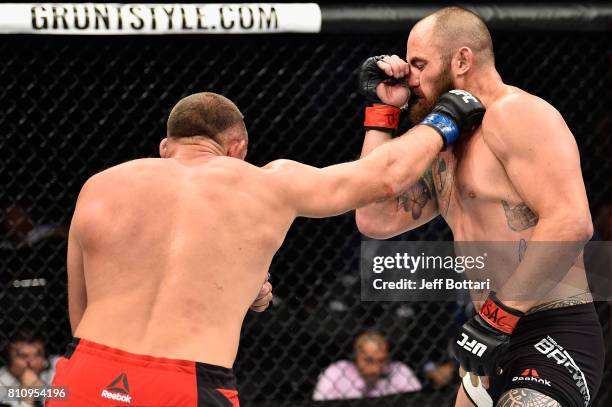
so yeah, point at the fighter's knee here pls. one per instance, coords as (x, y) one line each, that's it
(526, 398)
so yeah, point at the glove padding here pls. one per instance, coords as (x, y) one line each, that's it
(379, 116)
(478, 347)
(370, 75)
(485, 337)
(457, 111)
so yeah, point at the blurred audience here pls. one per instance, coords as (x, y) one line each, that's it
(371, 374)
(19, 229)
(441, 375)
(603, 223)
(28, 366)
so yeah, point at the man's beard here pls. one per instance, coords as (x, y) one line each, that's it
(419, 107)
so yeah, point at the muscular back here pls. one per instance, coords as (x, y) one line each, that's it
(174, 255)
(164, 258)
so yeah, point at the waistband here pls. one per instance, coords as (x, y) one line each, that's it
(207, 374)
(581, 313)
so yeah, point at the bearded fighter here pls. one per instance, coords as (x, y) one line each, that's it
(516, 178)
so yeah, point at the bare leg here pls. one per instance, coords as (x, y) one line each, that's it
(462, 399)
(526, 398)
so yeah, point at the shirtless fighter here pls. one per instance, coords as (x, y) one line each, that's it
(166, 255)
(516, 179)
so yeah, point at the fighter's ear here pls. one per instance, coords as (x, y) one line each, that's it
(163, 148)
(238, 149)
(463, 60)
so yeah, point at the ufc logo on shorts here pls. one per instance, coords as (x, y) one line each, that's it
(467, 96)
(473, 346)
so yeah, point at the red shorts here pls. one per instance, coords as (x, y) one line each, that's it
(97, 375)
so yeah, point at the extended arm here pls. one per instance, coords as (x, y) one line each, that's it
(391, 168)
(413, 207)
(386, 171)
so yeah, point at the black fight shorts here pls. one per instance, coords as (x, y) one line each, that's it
(558, 352)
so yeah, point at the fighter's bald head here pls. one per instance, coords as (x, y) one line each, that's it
(454, 27)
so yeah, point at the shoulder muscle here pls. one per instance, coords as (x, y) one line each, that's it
(520, 121)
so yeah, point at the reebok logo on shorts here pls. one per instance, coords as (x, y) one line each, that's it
(118, 390)
(531, 375)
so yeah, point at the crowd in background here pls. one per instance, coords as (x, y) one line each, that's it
(369, 371)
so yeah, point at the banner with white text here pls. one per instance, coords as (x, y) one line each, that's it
(147, 19)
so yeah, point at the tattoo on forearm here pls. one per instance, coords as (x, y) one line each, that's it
(519, 217)
(415, 198)
(522, 249)
(582, 298)
(526, 398)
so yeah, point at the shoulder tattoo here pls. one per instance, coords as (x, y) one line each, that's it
(526, 398)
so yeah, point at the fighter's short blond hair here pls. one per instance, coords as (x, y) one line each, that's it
(455, 27)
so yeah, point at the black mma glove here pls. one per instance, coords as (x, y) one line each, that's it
(457, 111)
(378, 116)
(484, 338)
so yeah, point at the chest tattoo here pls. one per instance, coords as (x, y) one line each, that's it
(519, 217)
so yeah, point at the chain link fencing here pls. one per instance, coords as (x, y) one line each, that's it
(73, 106)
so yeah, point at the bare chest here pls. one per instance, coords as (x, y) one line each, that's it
(473, 190)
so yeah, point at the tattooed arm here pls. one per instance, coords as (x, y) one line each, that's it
(540, 156)
(413, 207)
(322, 192)
(526, 398)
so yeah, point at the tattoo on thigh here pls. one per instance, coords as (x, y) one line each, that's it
(526, 398)
(519, 217)
(415, 198)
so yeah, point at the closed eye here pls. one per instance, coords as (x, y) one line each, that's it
(418, 63)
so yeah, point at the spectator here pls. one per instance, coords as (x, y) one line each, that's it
(441, 375)
(19, 229)
(371, 375)
(28, 366)
(603, 223)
